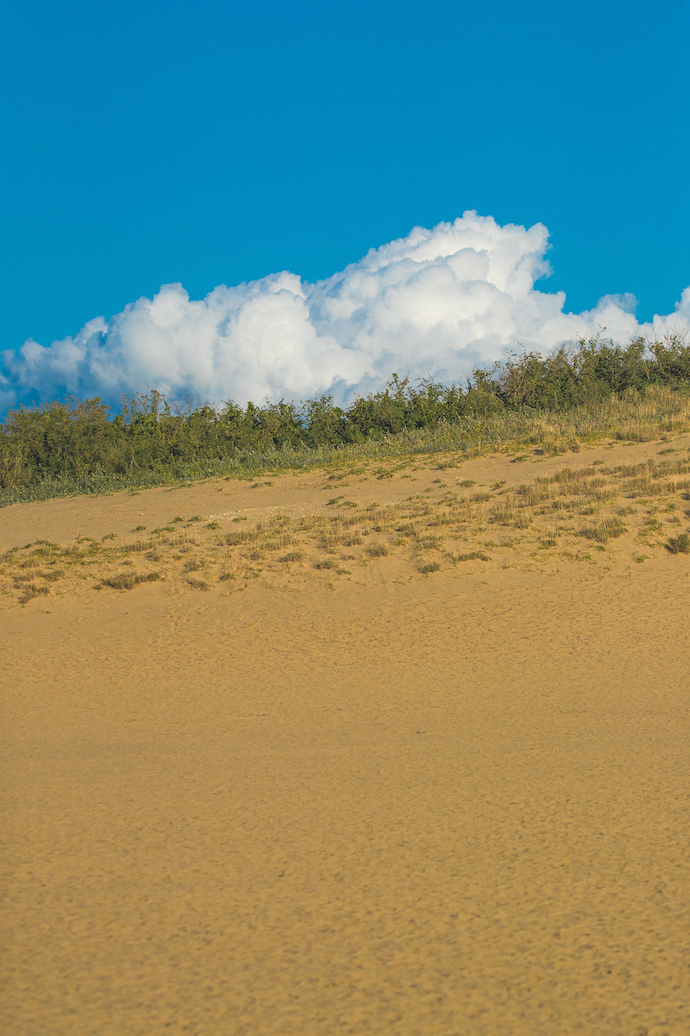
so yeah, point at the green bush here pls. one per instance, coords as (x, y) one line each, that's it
(79, 446)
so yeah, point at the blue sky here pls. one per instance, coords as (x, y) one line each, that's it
(208, 142)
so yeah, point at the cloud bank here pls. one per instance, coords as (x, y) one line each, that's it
(436, 302)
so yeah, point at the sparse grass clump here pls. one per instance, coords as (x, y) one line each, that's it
(608, 529)
(679, 545)
(475, 555)
(128, 580)
(377, 550)
(32, 591)
(198, 584)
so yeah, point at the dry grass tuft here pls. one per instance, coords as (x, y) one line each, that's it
(128, 580)
(608, 529)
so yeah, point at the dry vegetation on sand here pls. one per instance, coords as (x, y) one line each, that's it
(607, 506)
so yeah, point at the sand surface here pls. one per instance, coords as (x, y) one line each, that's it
(348, 800)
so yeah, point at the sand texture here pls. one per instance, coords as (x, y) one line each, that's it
(419, 768)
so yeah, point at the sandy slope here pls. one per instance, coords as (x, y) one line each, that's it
(379, 803)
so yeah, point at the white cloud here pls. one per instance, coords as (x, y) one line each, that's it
(438, 301)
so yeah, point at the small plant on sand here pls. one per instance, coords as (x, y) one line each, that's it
(475, 555)
(432, 566)
(328, 563)
(293, 555)
(431, 542)
(609, 529)
(679, 545)
(128, 580)
(377, 550)
(199, 584)
(32, 591)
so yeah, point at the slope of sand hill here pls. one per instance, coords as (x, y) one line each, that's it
(413, 768)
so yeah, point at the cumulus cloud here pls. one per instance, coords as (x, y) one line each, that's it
(436, 302)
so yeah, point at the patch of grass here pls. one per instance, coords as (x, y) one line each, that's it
(293, 555)
(431, 566)
(198, 584)
(32, 591)
(679, 545)
(377, 550)
(327, 563)
(213, 525)
(652, 525)
(475, 555)
(128, 580)
(431, 542)
(609, 528)
(501, 516)
(234, 539)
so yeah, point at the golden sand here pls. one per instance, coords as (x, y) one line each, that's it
(359, 798)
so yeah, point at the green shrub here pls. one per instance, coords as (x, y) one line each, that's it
(79, 446)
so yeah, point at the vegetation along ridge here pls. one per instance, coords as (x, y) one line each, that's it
(592, 389)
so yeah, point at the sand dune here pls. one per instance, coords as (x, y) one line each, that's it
(419, 768)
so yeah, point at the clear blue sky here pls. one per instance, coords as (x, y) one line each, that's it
(206, 142)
